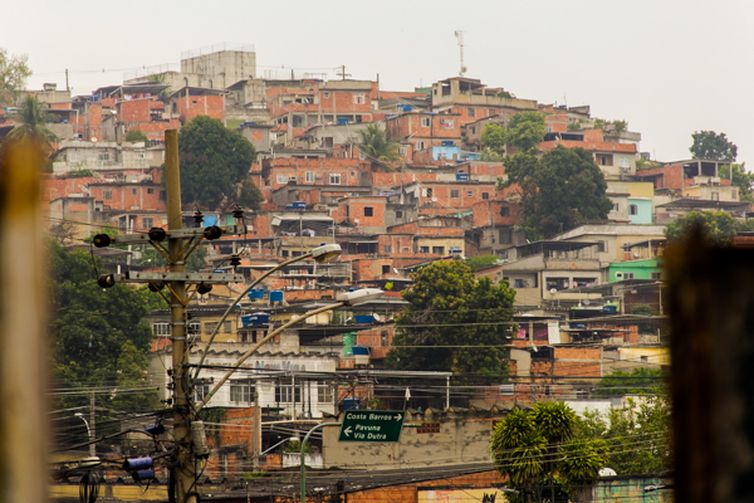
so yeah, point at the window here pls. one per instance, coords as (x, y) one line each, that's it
(424, 249)
(150, 190)
(428, 192)
(334, 178)
(104, 156)
(324, 393)
(282, 179)
(447, 123)
(368, 211)
(385, 269)
(601, 246)
(309, 177)
(628, 275)
(656, 275)
(134, 191)
(506, 236)
(438, 250)
(201, 390)
(604, 159)
(383, 338)
(471, 112)
(163, 195)
(426, 121)
(284, 393)
(242, 391)
(388, 249)
(715, 196)
(633, 209)
(454, 193)
(505, 211)
(108, 194)
(148, 222)
(485, 196)
(193, 328)
(161, 329)
(359, 99)
(227, 327)
(326, 94)
(557, 283)
(420, 145)
(469, 193)
(520, 283)
(398, 214)
(209, 327)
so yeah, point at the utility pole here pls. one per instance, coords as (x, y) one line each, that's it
(342, 74)
(184, 470)
(92, 424)
(188, 431)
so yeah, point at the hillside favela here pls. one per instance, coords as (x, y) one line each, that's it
(224, 284)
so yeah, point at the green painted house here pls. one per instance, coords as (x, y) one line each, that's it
(648, 268)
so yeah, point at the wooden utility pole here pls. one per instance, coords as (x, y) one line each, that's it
(184, 470)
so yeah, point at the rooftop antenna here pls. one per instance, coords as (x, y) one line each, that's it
(459, 38)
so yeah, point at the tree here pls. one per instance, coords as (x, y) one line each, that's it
(481, 262)
(526, 130)
(638, 436)
(718, 227)
(712, 146)
(14, 71)
(32, 119)
(740, 178)
(468, 319)
(494, 138)
(639, 381)
(377, 147)
(561, 190)
(132, 374)
(135, 136)
(215, 166)
(91, 325)
(540, 453)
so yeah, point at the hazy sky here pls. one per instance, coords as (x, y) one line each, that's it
(668, 67)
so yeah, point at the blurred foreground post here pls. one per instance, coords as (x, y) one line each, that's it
(23, 325)
(711, 307)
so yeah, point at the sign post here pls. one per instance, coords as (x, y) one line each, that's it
(371, 426)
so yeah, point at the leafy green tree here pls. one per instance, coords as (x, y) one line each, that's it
(135, 136)
(561, 190)
(542, 456)
(637, 434)
(132, 374)
(639, 381)
(14, 70)
(215, 166)
(91, 325)
(481, 262)
(719, 227)
(526, 130)
(740, 178)
(713, 146)
(494, 139)
(454, 322)
(378, 147)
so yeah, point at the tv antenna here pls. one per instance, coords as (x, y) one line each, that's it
(459, 38)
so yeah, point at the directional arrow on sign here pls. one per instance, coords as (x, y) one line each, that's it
(347, 431)
(398, 417)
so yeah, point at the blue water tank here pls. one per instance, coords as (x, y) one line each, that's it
(360, 350)
(256, 294)
(255, 319)
(364, 318)
(350, 404)
(342, 121)
(462, 176)
(276, 296)
(447, 143)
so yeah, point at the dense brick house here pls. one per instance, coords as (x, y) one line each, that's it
(189, 102)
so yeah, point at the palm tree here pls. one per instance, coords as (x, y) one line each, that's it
(377, 147)
(32, 122)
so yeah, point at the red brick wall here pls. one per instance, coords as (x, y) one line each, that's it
(356, 212)
(129, 197)
(193, 106)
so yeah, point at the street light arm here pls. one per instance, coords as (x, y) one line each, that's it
(238, 299)
(263, 341)
(302, 453)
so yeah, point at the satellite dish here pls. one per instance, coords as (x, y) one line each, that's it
(553, 291)
(585, 302)
(607, 472)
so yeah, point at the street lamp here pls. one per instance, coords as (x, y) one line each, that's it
(289, 439)
(321, 254)
(351, 298)
(92, 445)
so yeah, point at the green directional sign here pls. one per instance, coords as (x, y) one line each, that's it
(371, 426)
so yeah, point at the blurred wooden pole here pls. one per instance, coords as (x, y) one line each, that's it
(23, 325)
